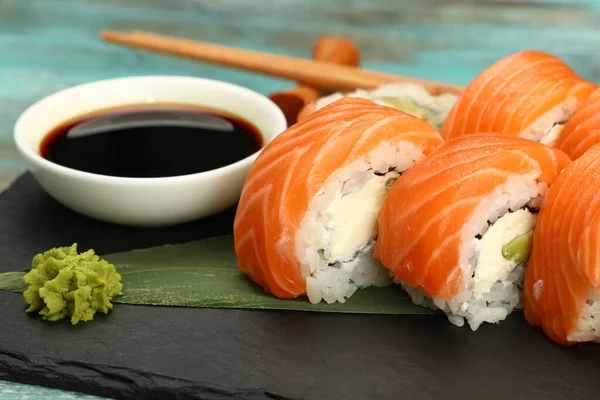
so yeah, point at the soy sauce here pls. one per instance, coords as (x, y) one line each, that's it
(151, 141)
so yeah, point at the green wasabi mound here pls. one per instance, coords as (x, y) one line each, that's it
(519, 248)
(65, 284)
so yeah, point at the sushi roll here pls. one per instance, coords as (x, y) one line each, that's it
(408, 97)
(583, 129)
(562, 281)
(528, 94)
(455, 231)
(306, 222)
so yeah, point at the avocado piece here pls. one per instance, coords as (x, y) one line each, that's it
(390, 182)
(407, 106)
(518, 249)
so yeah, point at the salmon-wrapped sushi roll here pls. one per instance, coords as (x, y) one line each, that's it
(529, 94)
(306, 222)
(562, 281)
(456, 229)
(411, 98)
(583, 129)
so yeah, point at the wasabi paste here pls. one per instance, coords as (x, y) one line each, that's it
(65, 284)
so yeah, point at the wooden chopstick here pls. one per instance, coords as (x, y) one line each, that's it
(331, 49)
(317, 74)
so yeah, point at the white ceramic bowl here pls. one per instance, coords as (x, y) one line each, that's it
(143, 201)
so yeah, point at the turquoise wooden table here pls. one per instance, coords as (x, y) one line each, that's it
(47, 45)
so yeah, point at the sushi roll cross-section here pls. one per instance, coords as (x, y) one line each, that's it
(408, 97)
(530, 94)
(456, 229)
(562, 281)
(306, 222)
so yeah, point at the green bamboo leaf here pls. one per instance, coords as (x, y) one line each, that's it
(204, 274)
(13, 281)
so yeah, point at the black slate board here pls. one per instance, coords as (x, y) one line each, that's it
(162, 352)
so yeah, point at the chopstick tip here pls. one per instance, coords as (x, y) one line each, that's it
(108, 34)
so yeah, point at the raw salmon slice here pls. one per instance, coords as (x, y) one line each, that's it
(562, 282)
(530, 94)
(307, 218)
(455, 229)
(582, 131)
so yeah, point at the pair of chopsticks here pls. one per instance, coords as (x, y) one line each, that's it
(311, 73)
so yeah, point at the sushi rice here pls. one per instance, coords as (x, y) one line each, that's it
(306, 223)
(547, 129)
(588, 324)
(335, 242)
(495, 286)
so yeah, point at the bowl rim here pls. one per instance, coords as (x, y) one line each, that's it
(20, 134)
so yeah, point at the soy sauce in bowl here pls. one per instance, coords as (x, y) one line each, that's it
(151, 141)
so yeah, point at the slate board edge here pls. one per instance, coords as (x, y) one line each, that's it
(14, 367)
(19, 368)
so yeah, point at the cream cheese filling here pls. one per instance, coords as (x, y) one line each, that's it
(492, 266)
(550, 137)
(347, 230)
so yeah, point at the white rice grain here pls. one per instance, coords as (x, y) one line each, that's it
(491, 302)
(335, 242)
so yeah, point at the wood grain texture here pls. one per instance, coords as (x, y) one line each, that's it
(48, 45)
